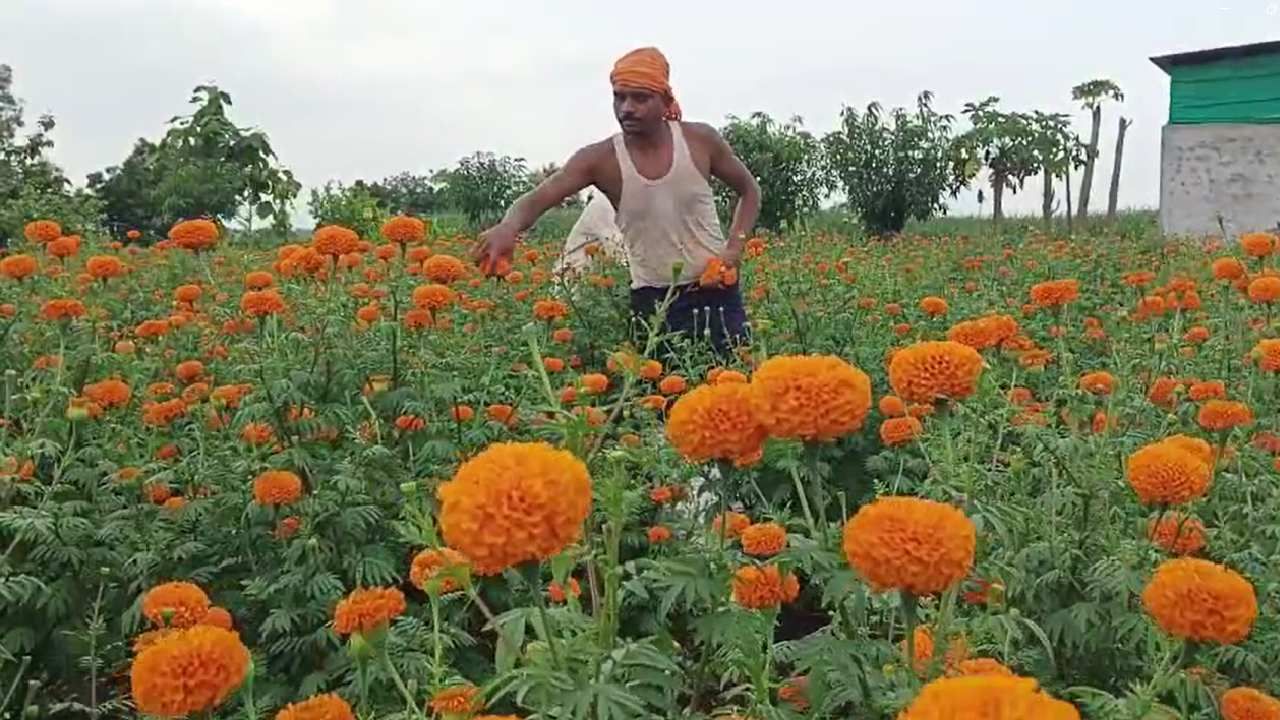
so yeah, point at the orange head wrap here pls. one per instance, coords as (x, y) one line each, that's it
(647, 68)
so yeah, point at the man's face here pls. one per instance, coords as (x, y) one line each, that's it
(638, 110)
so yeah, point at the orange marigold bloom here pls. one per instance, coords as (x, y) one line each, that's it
(319, 707)
(1258, 244)
(559, 593)
(1223, 415)
(650, 370)
(897, 431)
(732, 522)
(188, 671)
(716, 422)
(443, 269)
(1267, 354)
(1055, 293)
(928, 371)
(1265, 289)
(258, 280)
(1244, 703)
(973, 667)
(672, 385)
(194, 234)
(18, 267)
(561, 335)
(1200, 601)
(1196, 334)
(1228, 268)
(439, 570)
(335, 240)
(189, 371)
(924, 650)
(109, 393)
(764, 588)
(175, 605)
(986, 697)
(1098, 382)
(764, 539)
(261, 303)
(160, 414)
(1177, 533)
(553, 364)
(910, 544)
(64, 247)
(795, 692)
(187, 293)
(62, 309)
(813, 397)
(218, 617)
(433, 297)
(514, 502)
(102, 267)
(1162, 392)
(367, 609)
(659, 534)
(462, 413)
(257, 433)
(276, 487)
(418, 319)
(404, 230)
(549, 310)
(594, 383)
(151, 328)
(41, 231)
(501, 413)
(1207, 390)
(1169, 472)
(933, 306)
(287, 527)
(892, 406)
(459, 701)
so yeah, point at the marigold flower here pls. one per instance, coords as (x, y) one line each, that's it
(63, 247)
(194, 234)
(18, 267)
(109, 393)
(443, 269)
(560, 335)
(928, 371)
(261, 303)
(810, 398)
(594, 383)
(924, 650)
(367, 609)
(1055, 293)
(319, 707)
(501, 413)
(658, 534)
(334, 241)
(1177, 534)
(1207, 390)
(716, 422)
(404, 230)
(795, 692)
(1200, 601)
(276, 487)
(933, 306)
(1228, 268)
(764, 588)
(176, 604)
(1265, 289)
(1162, 392)
(1168, 472)
(974, 667)
(1223, 415)
(41, 231)
(433, 297)
(287, 527)
(514, 503)
(161, 414)
(218, 617)
(650, 370)
(990, 697)
(891, 406)
(672, 385)
(560, 593)
(151, 329)
(763, 539)
(732, 522)
(1267, 354)
(553, 364)
(257, 433)
(460, 701)
(1098, 382)
(897, 431)
(188, 671)
(910, 544)
(549, 310)
(462, 413)
(62, 309)
(258, 280)
(1258, 244)
(188, 371)
(439, 570)
(1244, 703)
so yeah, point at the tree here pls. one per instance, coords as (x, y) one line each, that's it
(1057, 150)
(356, 206)
(540, 174)
(407, 193)
(785, 159)
(483, 185)
(1113, 198)
(897, 166)
(204, 166)
(1091, 95)
(1006, 143)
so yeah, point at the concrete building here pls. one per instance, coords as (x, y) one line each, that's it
(1220, 152)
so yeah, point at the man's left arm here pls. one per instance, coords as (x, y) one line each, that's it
(726, 166)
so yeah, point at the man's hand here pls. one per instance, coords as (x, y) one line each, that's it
(495, 245)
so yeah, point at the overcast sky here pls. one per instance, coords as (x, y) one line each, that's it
(351, 89)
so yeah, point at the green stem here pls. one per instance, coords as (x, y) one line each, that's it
(399, 683)
(804, 502)
(909, 607)
(437, 644)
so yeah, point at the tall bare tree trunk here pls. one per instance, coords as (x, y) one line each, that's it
(1046, 204)
(997, 199)
(1066, 183)
(1086, 183)
(1114, 199)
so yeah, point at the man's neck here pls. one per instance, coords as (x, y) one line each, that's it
(650, 139)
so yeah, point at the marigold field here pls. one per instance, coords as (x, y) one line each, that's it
(1002, 477)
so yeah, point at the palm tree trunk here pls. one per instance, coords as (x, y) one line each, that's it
(1066, 175)
(997, 199)
(1046, 203)
(1114, 199)
(1086, 183)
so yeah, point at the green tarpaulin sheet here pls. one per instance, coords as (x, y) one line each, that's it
(1237, 90)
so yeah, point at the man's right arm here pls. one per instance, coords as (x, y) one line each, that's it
(498, 241)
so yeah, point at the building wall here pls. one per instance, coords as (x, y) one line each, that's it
(1212, 170)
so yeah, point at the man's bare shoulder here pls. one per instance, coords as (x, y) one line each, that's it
(701, 131)
(590, 157)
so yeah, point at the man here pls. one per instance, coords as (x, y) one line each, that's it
(656, 173)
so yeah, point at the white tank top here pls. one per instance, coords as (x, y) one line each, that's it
(669, 220)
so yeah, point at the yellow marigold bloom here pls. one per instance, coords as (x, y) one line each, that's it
(1169, 472)
(764, 539)
(177, 604)
(367, 609)
(1244, 703)
(319, 707)
(764, 588)
(810, 397)
(910, 544)
(930, 371)
(188, 671)
(514, 503)
(717, 422)
(1201, 601)
(986, 697)
(440, 570)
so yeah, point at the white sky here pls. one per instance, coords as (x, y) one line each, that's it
(352, 89)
